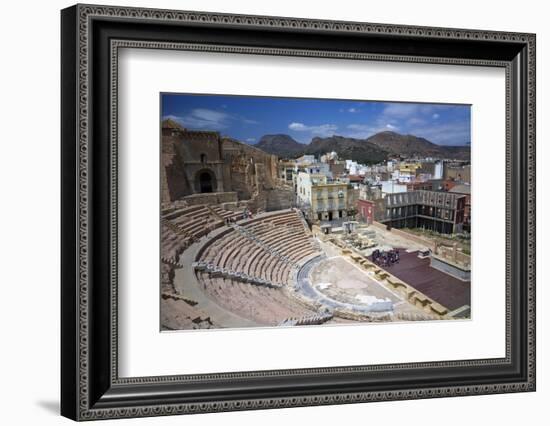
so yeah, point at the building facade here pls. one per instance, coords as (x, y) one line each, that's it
(438, 211)
(365, 211)
(458, 172)
(392, 187)
(424, 185)
(466, 191)
(321, 199)
(286, 170)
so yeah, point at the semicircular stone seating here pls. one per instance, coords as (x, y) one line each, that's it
(181, 226)
(247, 269)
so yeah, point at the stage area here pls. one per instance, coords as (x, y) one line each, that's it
(338, 278)
(441, 287)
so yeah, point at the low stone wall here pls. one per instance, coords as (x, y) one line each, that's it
(237, 206)
(453, 256)
(450, 268)
(211, 198)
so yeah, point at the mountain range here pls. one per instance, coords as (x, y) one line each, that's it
(373, 149)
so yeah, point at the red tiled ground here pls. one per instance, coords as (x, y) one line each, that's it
(441, 287)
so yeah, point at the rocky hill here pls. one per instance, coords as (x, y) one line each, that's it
(281, 145)
(358, 150)
(413, 146)
(374, 149)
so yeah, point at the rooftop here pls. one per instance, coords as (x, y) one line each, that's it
(461, 189)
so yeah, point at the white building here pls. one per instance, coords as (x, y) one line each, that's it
(438, 170)
(329, 156)
(392, 187)
(402, 177)
(354, 169)
(304, 182)
(305, 160)
(319, 168)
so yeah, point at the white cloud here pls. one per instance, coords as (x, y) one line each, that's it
(401, 110)
(319, 130)
(422, 120)
(353, 110)
(209, 119)
(202, 118)
(404, 110)
(250, 140)
(297, 126)
(415, 121)
(454, 133)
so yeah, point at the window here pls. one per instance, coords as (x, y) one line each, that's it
(203, 158)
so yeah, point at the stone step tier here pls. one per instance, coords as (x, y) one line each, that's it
(307, 320)
(215, 270)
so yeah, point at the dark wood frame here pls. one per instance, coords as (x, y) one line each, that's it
(90, 386)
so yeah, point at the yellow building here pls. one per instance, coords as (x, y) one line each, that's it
(409, 167)
(321, 199)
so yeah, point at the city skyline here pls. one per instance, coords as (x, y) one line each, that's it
(248, 118)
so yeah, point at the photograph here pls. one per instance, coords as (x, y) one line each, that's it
(266, 207)
(284, 212)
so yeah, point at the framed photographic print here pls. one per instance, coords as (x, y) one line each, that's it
(264, 212)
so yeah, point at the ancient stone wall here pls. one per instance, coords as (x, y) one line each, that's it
(211, 198)
(174, 182)
(250, 169)
(232, 167)
(279, 198)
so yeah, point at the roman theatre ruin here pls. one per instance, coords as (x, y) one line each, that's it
(237, 252)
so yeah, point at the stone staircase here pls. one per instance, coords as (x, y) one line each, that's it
(175, 229)
(410, 316)
(215, 270)
(307, 320)
(171, 262)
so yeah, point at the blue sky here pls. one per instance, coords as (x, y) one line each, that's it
(248, 118)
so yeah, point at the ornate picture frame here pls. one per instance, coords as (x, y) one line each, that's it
(91, 37)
